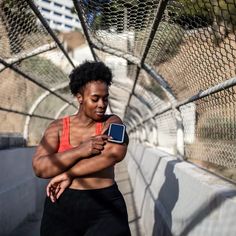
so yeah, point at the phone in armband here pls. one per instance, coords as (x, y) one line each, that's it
(116, 132)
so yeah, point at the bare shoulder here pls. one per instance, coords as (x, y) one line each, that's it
(53, 127)
(52, 132)
(113, 119)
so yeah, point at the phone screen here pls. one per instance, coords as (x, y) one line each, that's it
(117, 132)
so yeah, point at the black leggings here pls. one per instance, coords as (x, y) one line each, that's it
(96, 212)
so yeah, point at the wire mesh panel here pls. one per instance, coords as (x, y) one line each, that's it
(194, 46)
(151, 92)
(26, 47)
(121, 84)
(66, 111)
(17, 93)
(118, 24)
(37, 127)
(20, 32)
(167, 131)
(50, 105)
(44, 68)
(212, 141)
(17, 96)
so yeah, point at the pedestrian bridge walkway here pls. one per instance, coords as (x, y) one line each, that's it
(31, 225)
(164, 196)
(174, 86)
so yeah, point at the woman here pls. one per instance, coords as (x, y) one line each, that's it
(83, 198)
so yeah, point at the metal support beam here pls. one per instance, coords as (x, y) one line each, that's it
(215, 89)
(61, 110)
(25, 114)
(37, 103)
(160, 11)
(24, 56)
(50, 31)
(80, 15)
(132, 91)
(115, 52)
(32, 80)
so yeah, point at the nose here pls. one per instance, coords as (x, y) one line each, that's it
(102, 104)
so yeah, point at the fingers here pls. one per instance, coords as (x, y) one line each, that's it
(59, 193)
(53, 198)
(53, 192)
(49, 189)
(52, 189)
(101, 137)
(104, 136)
(98, 144)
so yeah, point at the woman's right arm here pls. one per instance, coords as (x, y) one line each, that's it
(47, 162)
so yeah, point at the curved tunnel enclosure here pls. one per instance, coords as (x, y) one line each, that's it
(174, 72)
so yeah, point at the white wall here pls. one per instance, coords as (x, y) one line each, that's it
(21, 193)
(178, 198)
(57, 13)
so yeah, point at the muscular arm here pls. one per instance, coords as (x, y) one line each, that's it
(47, 162)
(111, 154)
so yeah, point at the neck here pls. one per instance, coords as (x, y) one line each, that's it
(84, 120)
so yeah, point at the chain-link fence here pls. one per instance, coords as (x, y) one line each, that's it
(33, 71)
(174, 65)
(188, 52)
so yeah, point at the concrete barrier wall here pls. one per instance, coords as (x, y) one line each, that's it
(177, 198)
(21, 193)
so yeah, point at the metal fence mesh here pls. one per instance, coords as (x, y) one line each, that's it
(180, 55)
(32, 67)
(19, 29)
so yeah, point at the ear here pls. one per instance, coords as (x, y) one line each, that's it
(79, 98)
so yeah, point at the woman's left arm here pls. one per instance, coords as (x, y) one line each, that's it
(111, 154)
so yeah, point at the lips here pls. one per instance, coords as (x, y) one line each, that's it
(100, 113)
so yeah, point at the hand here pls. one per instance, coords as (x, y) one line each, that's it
(93, 146)
(57, 185)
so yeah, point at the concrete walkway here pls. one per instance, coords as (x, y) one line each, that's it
(30, 227)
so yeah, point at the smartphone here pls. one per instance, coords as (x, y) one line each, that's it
(116, 132)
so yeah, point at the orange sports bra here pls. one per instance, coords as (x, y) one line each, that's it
(65, 136)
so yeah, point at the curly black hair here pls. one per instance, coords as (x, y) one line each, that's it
(87, 72)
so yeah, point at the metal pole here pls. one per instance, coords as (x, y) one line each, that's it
(215, 89)
(36, 103)
(132, 92)
(113, 51)
(24, 56)
(160, 11)
(80, 15)
(33, 80)
(50, 31)
(25, 114)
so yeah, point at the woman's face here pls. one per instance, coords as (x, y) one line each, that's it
(94, 100)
